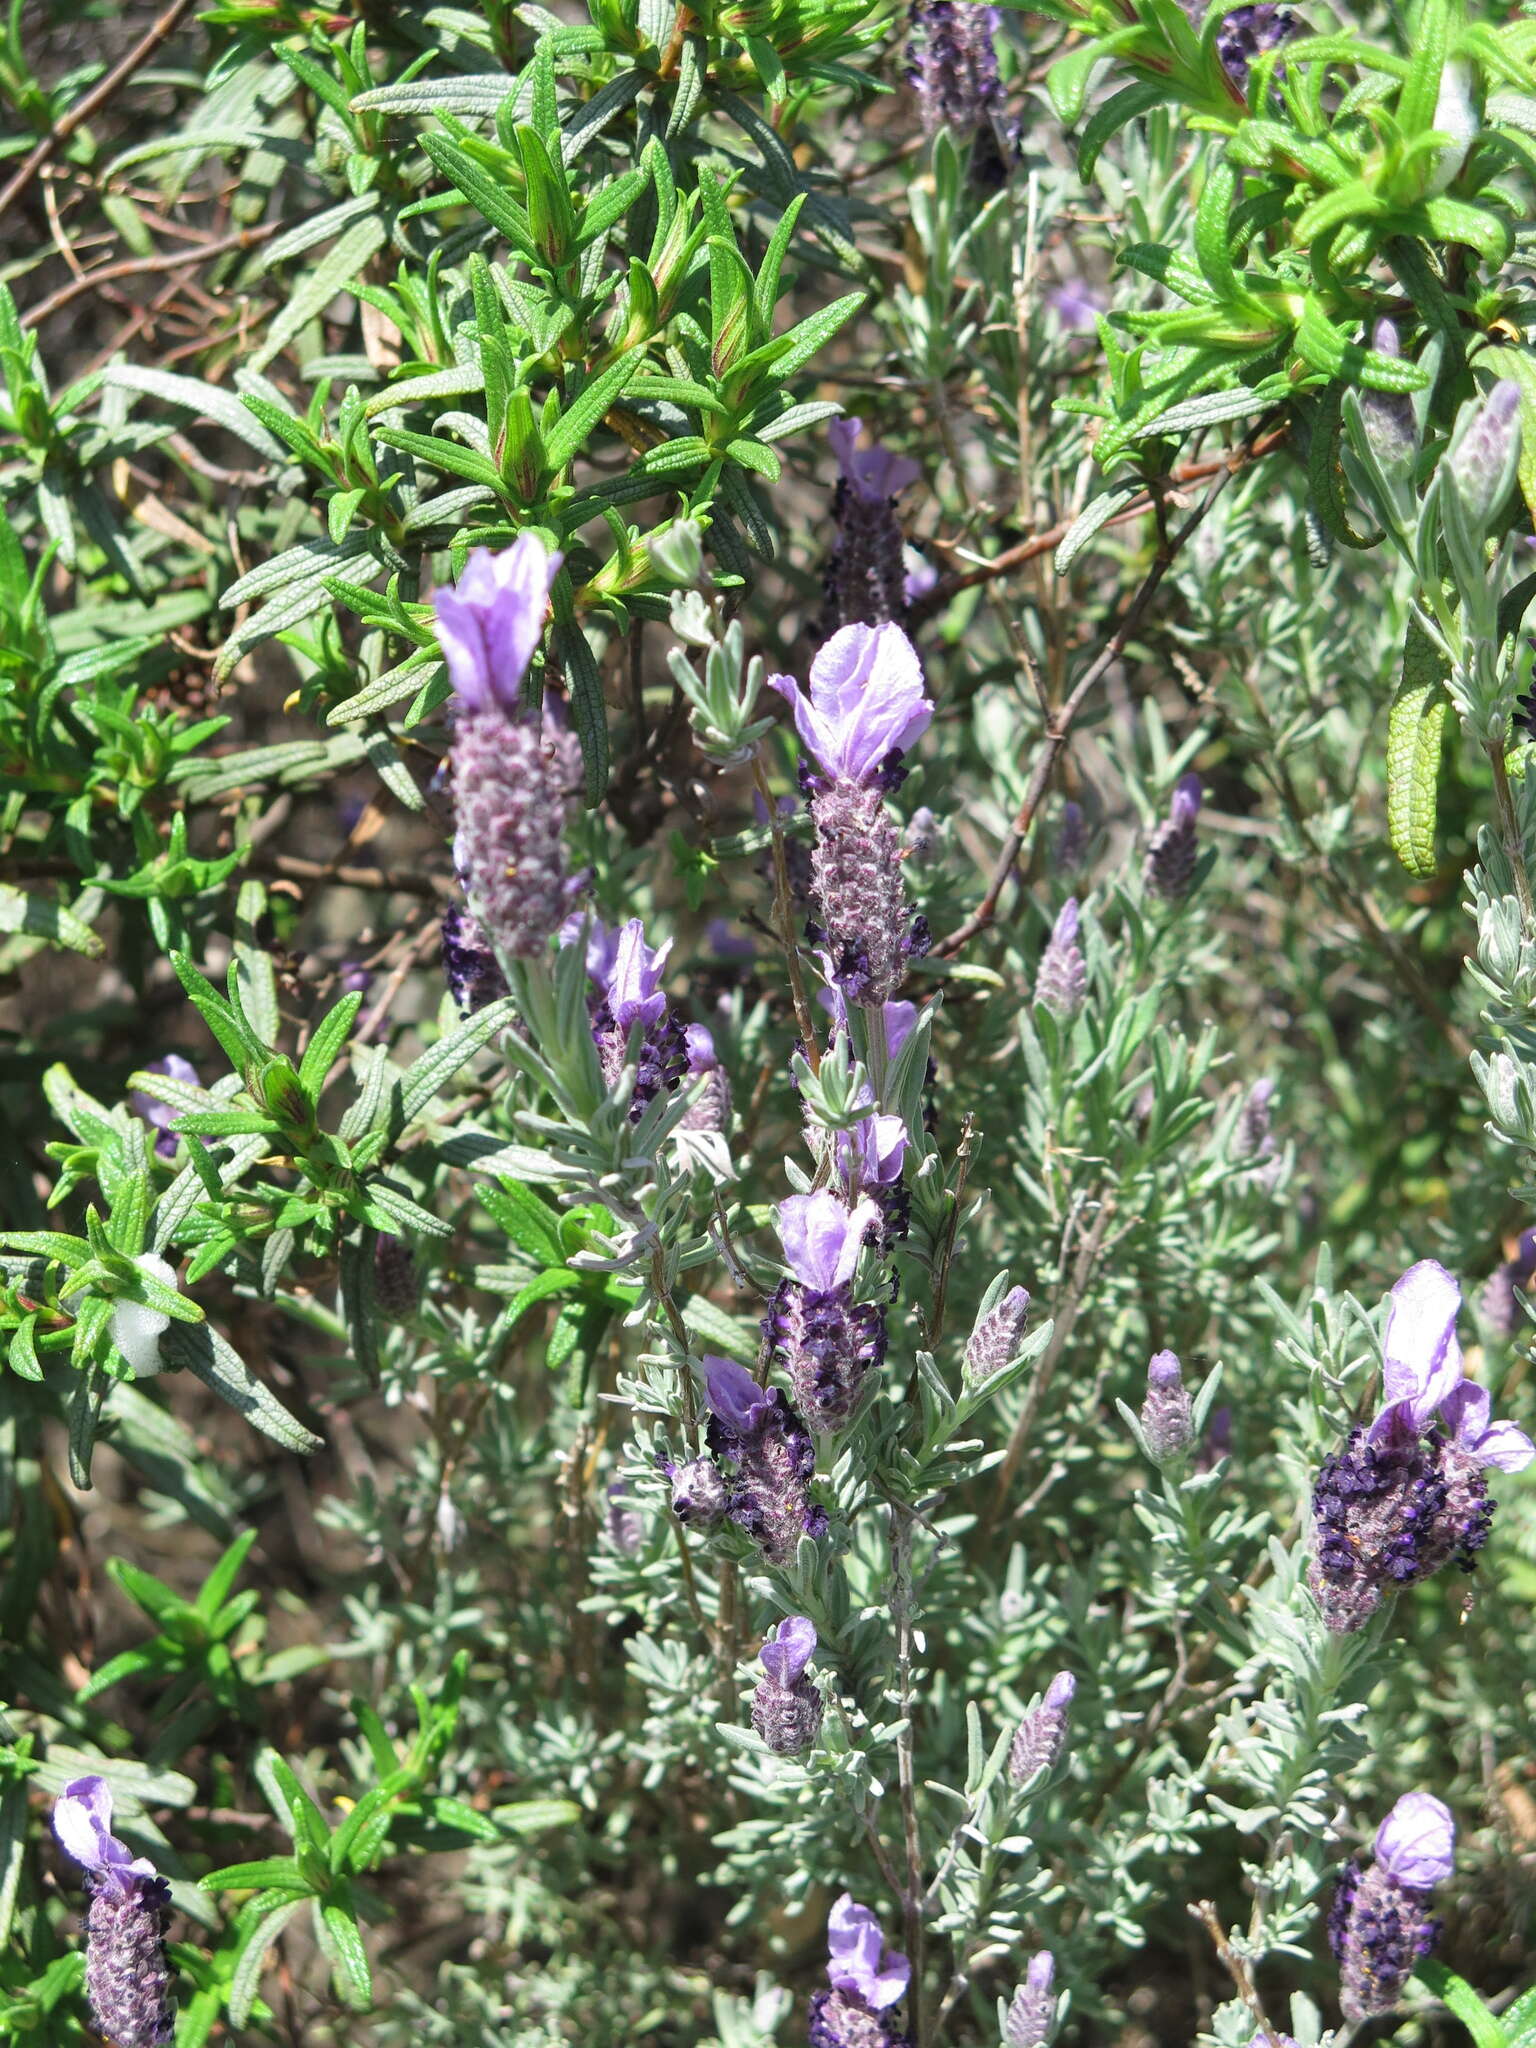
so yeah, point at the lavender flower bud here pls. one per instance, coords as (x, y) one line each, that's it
(699, 1493)
(1032, 2015)
(127, 1974)
(470, 967)
(866, 576)
(1387, 416)
(1252, 1138)
(756, 1430)
(1379, 1925)
(712, 1110)
(1246, 33)
(628, 973)
(1169, 867)
(822, 1339)
(1482, 463)
(1071, 838)
(623, 1521)
(395, 1287)
(514, 782)
(952, 63)
(1498, 1306)
(1165, 1414)
(1061, 982)
(786, 1707)
(1041, 1740)
(994, 1342)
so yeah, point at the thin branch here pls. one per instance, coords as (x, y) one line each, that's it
(906, 1768)
(1237, 1970)
(141, 266)
(88, 103)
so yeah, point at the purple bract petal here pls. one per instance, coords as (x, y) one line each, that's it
(1416, 1843)
(734, 1395)
(1422, 1359)
(634, 987)
(789, 1650)
(859, 1961)
(877, 1147)
(82, 1822)
(821, 1238)
(866, 701)
(874, 472)
(489, 624)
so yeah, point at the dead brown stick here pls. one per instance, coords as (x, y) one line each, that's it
(140, 266)
(75, 116)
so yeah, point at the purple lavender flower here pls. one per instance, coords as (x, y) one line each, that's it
(1032, 2015)
(127, 1976)
(786, 1707)
(162, 1114)
(1061, 982)
(866, 576)
(490, 623)
(1246, 33)
(867, 1979)
(952, 63)
(1387, 416)
(1165, 1414)
(700, 1496)
(628, 974)
(623, 1521)
(995, 1340)
(866, 702)
(1498, 1306)
(1378, 1925)
(900, 1019)
(470, 967)
(1041, 1740)
(814, 1330)
(1408, 1495)
(869, 1160)
(1071, 838)
(1169, 867)
(712, 1111)
(866, 707)
(757, 1431)
(1077, 304)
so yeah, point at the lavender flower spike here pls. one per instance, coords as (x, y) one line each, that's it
(1032, 2015)
(1062, 979)
(161, 1115)
(866, 702)
(712, 1110)
(470, 966)
(814, 1330)
(867, 1980)
(1041, 1740)
(629, 972)
(127, 1976)
(490, 623)
(1498, 1305)
(953, 64)
(786, 1708)
(1166, 1418)
(514, 782)
(866, 578)
(1378, 1925)
(755, 1429)
(994, 1342)
(1169, 867)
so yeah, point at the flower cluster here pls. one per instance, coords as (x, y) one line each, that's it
(1169, 866)
(868, 581)
(1378, 1924)
(127, 1975)
(1408, 1495)
(1040, 1741)
(866, 707)
(867, 1980)
(786, 1707)
(1166, 1420)
(814, 1331)
(756, 1432)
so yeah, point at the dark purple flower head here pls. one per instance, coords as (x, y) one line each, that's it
(699, 1492)
(866, 701)
(1032, 2013)
(628, 974)
(757, 1431)
(787, 1653)
(470, 967)
(1172, 850)
(859, 1962)
(1247, 32)
(127, 1976)
(873, 473)
(491, 621)
(822, 1238)
(952, 63)
(1379, 1925)
(162, 1114)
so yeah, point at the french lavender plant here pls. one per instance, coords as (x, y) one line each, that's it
(868, 1980)
(865, 709)
(1379, 1925)
(127, 1973)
